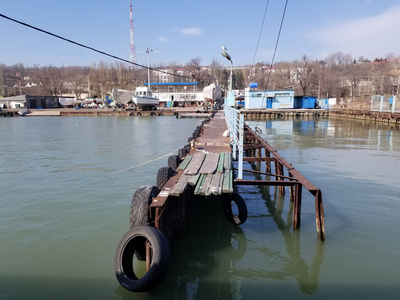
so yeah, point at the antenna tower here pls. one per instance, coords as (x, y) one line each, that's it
(131, 43)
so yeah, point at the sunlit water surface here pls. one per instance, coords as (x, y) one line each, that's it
(66, 186)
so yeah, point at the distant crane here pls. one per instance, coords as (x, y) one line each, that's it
(131, 43)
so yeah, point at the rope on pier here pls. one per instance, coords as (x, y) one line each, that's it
(150, 161)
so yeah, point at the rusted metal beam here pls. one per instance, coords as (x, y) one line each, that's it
(296, 179)
(269, 174)
(266, 182)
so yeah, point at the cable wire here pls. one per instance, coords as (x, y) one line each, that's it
(261, 29)
(273, 56)
(90, 48)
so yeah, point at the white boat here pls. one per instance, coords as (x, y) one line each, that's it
(67, 101)
(122, 96)
(143, 98)
(212, 95)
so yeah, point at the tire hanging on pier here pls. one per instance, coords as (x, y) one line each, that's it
(173, 162)
(136, 238)
(139, 214)
(182, 153)
(141, 201)
(236, 199)
(163, 175)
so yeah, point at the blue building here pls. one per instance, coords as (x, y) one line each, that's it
(257, 99)
(305, 102)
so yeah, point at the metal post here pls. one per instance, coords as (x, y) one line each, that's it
(241, 133)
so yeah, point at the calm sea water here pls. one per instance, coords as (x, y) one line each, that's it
(66, 186)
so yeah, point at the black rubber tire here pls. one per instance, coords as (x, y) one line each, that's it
(182, 153)
(163, 175)
(124, 271)
(141, 200)
(9, 114)
(173, 162)
(234, 219)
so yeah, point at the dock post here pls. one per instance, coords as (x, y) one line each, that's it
(297, 206)
(320, 215)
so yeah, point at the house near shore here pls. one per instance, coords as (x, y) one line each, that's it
(30, 102)
(262, 99)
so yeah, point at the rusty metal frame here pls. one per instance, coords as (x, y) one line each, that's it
(295, 180)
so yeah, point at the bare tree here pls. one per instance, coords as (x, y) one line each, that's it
(216, 72)
(51, 79)
(76, 80)
(306, 76)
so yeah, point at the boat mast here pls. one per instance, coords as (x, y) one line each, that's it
(148, 64)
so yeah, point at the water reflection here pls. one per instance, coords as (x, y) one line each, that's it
(357, 134)
(293, 265)
(203, 257)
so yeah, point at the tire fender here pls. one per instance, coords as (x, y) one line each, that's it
(234, 219)
(141, 200)
(123, 263)
(163, 175)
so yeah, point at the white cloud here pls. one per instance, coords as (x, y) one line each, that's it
(192, 31)
(162, 39)
(369, 37)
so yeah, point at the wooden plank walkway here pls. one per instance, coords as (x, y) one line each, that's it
(207, 167)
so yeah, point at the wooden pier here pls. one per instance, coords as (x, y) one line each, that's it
(204, 167)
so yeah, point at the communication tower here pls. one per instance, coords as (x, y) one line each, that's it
(131, 43)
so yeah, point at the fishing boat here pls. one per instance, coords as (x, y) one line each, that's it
(143, 98)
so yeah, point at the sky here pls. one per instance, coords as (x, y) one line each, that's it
(178, 31)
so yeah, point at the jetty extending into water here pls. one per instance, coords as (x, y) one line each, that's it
(209, 165)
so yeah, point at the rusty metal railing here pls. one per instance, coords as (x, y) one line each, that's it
(261, 151)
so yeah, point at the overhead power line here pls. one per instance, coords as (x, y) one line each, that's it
(261, 29)
(90, 48)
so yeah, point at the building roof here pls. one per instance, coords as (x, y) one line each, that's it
(14, 98)
(172, 83)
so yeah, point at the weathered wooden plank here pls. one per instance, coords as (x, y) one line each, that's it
(199, 184)
(228, 182)
(206, 185)
(185, 162)
(194, 164)
(216, 184)
(220, 168)
(210, 163)
(180, 186)
(227, 161)
(193, 179)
